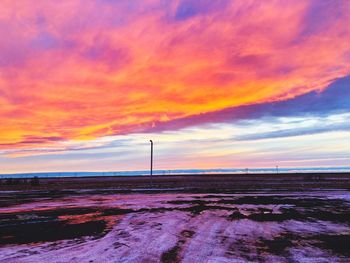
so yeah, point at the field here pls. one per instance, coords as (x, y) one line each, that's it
(181, 219)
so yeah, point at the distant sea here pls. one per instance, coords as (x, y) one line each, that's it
(180, 171)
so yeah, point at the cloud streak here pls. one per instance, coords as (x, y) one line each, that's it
(80, 70)
(334, 99)
(295, 132)
(287, 141)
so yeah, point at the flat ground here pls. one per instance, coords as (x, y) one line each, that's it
(46, 223)
(203, 182)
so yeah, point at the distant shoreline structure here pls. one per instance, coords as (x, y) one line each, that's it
(179, 172)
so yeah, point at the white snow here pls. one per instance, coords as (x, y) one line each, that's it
(146, 236)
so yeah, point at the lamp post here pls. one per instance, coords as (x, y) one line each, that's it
(151, 172)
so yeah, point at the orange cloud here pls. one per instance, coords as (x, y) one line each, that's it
(84, 69)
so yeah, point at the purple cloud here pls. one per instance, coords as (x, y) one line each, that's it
(334, 99)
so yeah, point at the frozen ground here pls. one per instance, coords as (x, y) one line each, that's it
(103, 227)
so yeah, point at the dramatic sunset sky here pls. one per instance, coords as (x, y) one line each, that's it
(84, 84)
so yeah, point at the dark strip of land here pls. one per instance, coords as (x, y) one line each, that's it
(199, 183)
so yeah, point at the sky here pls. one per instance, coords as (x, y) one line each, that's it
(84, 84)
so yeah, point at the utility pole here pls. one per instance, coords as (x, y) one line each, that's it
(151, 172)
(277, 169)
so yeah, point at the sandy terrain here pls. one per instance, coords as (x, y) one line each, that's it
(100, 226)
